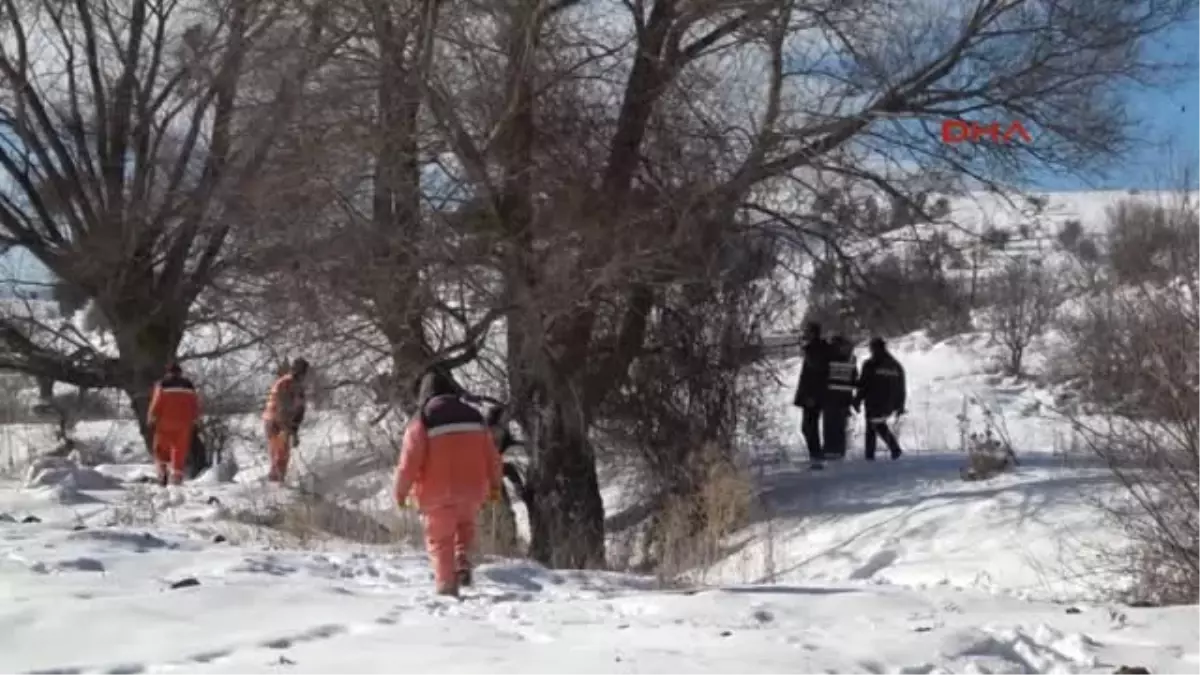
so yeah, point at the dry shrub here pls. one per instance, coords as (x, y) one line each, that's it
(1132, 358)
(142, 507)
(985, 440)
(1027, 295)
(309, 520)
(688, 533)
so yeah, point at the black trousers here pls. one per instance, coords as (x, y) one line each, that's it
(834, 419)
(877, 427)
(810, 426)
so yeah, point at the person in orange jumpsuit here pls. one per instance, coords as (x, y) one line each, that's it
(450, 463)
(286, 404)
(174, 409)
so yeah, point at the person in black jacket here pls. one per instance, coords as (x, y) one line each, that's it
(882, 389)
(839, 396)
(810, 391)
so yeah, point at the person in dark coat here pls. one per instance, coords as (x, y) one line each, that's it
(883, 390)
(839, 396)
(810, 391)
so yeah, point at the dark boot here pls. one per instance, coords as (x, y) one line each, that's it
(464, 577)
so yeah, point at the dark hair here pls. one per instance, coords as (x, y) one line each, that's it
(173, 368)
(434, 382)
(300, 366)
(877, 343)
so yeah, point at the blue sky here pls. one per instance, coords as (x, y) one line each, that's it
(1165, 117)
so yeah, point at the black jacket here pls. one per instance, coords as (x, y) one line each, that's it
(843, 377)
(882, 387)
(814, 375)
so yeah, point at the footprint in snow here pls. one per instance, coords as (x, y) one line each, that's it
(875, 564)
(310, 635)
(82, 564)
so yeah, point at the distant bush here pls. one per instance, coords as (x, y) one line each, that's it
(1149, 242)
(895, 295)
(996, 237)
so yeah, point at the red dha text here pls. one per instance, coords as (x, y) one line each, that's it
(961, 131)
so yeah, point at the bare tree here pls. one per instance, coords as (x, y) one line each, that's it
(1025, 302)
(133, 134)
(627, 233)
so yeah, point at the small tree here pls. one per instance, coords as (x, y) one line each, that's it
(1027, 296)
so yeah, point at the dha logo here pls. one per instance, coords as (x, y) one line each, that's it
(960, 131)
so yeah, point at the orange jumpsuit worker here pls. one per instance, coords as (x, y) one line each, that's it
(174, 408)
(282, 417)
(450, 464)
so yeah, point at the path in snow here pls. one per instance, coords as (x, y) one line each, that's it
(1036, 532)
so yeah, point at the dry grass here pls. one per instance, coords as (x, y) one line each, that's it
(496, 532)
(987, 444)
(309, 520)
(140, 508)
(689, 533)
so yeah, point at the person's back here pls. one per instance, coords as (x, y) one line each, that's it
(174, 408)
(455, 461)
(814, 373)
(883, 390)
(175, 405)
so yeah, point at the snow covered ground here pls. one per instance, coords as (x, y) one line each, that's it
(82, 598)
(886, 567)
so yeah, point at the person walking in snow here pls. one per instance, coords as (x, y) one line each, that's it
(839, 396)
(284, 412)
(882, 388)
(450, 465)
(171, 419)
(810, 390)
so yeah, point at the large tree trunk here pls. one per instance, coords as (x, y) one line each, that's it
(567, 519)
(146, 344)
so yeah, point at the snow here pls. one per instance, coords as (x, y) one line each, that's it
(867, 567)
(89, 598)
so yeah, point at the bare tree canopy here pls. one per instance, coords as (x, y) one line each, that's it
(132, 135)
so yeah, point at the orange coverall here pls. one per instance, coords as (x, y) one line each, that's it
(174, 408)
(451, 470)
(285, 408)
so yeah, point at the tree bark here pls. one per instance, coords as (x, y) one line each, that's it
(567, 521)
